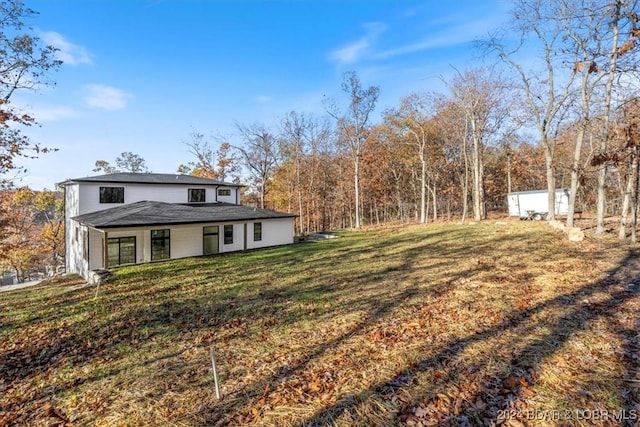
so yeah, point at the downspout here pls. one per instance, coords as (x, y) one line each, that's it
(88, 249)
(67, 264)
(105, 248)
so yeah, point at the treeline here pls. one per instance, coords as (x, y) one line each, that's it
(31, 232)
(557, 109)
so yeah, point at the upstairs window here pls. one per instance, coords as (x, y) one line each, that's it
(111, 194)
(197, 195)
(224, 192)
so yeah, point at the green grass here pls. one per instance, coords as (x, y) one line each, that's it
(440, 324)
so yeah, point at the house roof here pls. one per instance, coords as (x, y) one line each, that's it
(160, 213)
(150, 178)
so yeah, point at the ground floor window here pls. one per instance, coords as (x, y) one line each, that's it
(257, 231)
(121, 250)
(228, 234)
(211, 242)
(160, 244)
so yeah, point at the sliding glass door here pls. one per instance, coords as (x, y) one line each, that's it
(121, 250)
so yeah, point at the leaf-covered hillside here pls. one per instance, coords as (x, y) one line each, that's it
(422, 325)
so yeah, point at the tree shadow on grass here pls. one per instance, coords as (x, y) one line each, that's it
(167, 301)
(377, 308)
(449, 376)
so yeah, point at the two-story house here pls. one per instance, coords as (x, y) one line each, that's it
(129, 218)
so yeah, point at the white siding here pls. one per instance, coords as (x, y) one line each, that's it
(186, 241)
(71, 209)
(275, 232)
(71, 200)
(145, 244)
(238, 238)
(76, 249)
(96, 249)
(234, 197)
(90, 194)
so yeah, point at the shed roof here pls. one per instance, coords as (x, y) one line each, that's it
(150, 178)
(148, 213)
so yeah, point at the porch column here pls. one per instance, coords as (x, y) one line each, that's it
(245, 236)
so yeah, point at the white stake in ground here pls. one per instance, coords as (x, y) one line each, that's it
(215, 372)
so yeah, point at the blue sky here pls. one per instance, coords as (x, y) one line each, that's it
(141, 75)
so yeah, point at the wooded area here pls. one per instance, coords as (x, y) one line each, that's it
(556, 109)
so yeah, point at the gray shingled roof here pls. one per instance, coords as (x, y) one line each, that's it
(161, 213)
(151, 178)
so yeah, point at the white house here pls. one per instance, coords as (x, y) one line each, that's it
(129, 218)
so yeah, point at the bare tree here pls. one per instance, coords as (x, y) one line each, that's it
(125, 162)
(353, 124)
(546, 90)
(628, 154)
(452, 121)
(321, 179)
(479, 95)
(215, 162)
(589, 25)
(104, 167)
(24, 64)
(413, 121)
(131, 162)
(294, 146)
(622, 21)
(260, 155)
(300, 135)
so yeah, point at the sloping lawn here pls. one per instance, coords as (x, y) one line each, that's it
(424, 325)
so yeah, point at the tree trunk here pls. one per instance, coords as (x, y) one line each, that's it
(585, 97)
(634, 223)
(465, 183)
(478, 185)
(423, 189)
(434, 201)
(300, 206)
(356, 179)
(575, 175)
(626, 200)
(508, 171)
(477, 202)
(551, 181)
(602, 171)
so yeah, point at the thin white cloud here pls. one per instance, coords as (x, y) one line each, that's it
(453, 35)
(106, 97)
(263, 99)
(53, 114)
(68, 53)
(430, 43)
(354, 51)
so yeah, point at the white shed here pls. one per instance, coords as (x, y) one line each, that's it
(535, 204)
